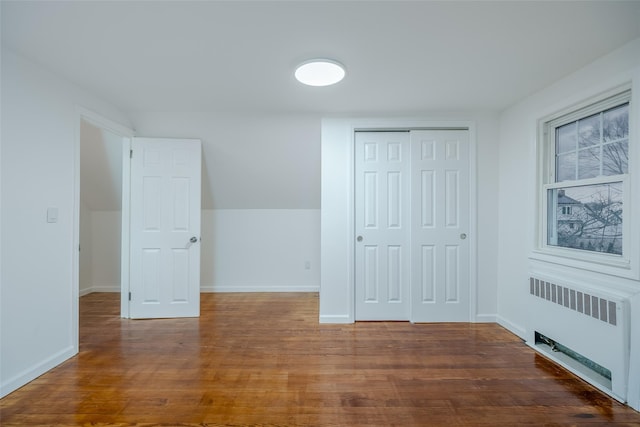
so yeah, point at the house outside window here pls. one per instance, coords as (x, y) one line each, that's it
(586, 179)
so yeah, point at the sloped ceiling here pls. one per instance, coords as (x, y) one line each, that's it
(100, 168)
(222, 71)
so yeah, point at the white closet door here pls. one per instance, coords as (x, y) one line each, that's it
(440, 223)
(165, 228)
(382, 225)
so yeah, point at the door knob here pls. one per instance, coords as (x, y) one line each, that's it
(463, 236)
(191, 241)
(359, 238)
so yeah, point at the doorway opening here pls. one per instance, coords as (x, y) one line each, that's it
(100, 209)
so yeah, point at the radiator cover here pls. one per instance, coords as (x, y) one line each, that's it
(590, 322)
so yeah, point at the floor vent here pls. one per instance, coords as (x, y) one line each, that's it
(582, 302)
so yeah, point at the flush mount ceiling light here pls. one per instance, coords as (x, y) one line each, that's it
(320, 72)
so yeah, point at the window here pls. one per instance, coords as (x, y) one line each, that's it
(586, 171)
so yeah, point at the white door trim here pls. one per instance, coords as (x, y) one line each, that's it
(125, 237)
(126, 133)
(408, 124)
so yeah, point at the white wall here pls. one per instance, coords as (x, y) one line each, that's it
(250, 160)
(336, 299)
(260, 196)
(85, 276)
(100, 236)
(100, 213)
(101, 168)
(105, 250)
(253, 250)
(40, 125)
(517, 177)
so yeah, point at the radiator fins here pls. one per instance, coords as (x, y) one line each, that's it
(589, 305)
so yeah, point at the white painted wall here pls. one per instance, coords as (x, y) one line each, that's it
(517, 177)
(100, 168)
(336, 299)
(100, 213)
(85, 277)
(251, 160)
(260, 196)
(254, 250)
(105, 250)
(100, 238)
(39, 259)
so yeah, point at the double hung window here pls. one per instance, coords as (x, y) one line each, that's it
(586, 180)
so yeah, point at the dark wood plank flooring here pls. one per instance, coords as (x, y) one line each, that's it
(263, 360)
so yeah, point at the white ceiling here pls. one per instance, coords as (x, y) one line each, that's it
(222, 71)
(240, 55)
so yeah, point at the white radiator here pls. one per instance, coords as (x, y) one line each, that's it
(591, 325)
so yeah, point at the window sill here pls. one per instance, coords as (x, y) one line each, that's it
(599, 263)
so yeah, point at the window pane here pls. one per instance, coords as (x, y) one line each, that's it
(616, 123)
(589, 131)
(615, 158)
(597, 145)
(566, 167)
(589, 163)
(566, 138)
(587, 217)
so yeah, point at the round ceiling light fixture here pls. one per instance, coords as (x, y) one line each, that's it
(320, 72)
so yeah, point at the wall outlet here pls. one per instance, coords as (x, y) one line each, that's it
(307, 265)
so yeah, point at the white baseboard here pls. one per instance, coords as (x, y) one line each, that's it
(219, 288)
(34, 372)
(486, 318)
(99, 288)
(512, 327)
(336, 318)
(258, 288)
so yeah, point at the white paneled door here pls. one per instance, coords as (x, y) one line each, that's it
(382, 176)
(411, 220)
(439, 226)
(165, 228)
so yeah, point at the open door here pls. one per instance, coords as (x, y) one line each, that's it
(165, 228)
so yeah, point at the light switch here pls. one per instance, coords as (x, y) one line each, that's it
(52, 215)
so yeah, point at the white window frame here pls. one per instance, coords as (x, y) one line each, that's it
(625, 265)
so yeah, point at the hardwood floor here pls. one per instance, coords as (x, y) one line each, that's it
(263, 360)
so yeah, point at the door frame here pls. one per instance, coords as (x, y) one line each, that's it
(373, 125)
(126, 134)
